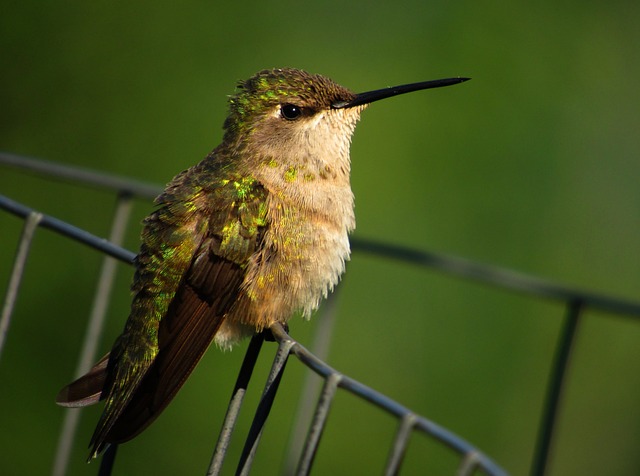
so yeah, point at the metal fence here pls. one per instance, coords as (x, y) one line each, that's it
(311, 419)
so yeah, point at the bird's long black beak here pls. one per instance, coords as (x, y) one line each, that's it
(371, 96)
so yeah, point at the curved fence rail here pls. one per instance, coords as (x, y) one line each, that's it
(471, 459)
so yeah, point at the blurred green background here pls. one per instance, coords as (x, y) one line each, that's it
(532, 165)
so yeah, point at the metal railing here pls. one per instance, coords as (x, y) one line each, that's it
(315, 417)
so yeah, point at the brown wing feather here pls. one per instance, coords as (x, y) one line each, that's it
(184, 287)
(186, 332)
(87, 389)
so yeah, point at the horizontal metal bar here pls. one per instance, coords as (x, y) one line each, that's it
(497, 276)
(70, 231)
(80, 176)
(449, 264)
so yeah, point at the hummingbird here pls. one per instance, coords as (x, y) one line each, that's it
(253, 234)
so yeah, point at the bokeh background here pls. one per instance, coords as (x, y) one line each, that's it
(531, 165)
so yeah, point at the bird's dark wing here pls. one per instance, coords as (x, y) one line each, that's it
(194, 317)
(192, 263)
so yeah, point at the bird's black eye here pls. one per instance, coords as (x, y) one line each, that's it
(290, 112)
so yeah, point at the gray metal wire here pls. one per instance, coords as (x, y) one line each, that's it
(32, 220)
(408, 422)
(95, 326)
(409, 419)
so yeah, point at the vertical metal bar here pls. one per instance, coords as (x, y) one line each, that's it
(242, 382)
(93, 332)
(400, 444)
(28, 230)
(108, 460)
(320, 347)
(555, 388)
(317, 426)
(264, 407)
(469, 464)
